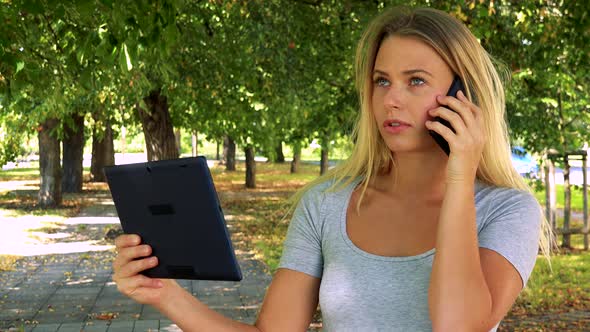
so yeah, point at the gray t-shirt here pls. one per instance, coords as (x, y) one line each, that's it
(365, 292)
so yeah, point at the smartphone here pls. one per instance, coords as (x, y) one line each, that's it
(455, 87)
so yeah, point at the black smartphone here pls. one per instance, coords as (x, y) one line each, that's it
(455, 87)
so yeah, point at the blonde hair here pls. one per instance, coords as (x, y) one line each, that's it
(459, 48)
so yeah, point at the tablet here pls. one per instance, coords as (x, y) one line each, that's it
(173, 206)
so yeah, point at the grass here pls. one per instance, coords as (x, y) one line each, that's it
(17, 204)
(7, 262)
(566, 286)
(49, 228)
(577, 201)
(260, 213)
(20, 174)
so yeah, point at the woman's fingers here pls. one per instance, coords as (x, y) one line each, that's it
(135, 267)
(461, 106)
(441, 129)
(127, 240)
(128, 285)
(141, 288)
(128, 254)
(130, 261)
(452, 117)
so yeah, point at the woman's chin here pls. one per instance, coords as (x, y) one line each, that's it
(406, 148)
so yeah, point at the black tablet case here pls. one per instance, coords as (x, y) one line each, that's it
(173, 206)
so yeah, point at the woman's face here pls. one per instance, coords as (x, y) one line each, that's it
(407, 77)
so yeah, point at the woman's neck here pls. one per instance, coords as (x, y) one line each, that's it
(419, 176)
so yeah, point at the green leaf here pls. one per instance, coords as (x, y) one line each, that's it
(85, 8)
(170, 34)
(127, 58)
(86, 79)
(33, 7)
(19, 66)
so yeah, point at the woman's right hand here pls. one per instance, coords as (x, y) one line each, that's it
(127, 267)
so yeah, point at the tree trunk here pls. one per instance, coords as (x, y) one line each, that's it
(195, 144)
(123, 141)
(324, 157)
(157, 128)
(217, 150)
(296, 157)
(280, 157)
(103, 152)
(250, 168)
(324, 161)
(73, 155)
(49, 165)
(229, 153)
(177, 138)
(550, 197)
(567, 204)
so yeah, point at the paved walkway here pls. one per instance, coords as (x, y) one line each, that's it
(74, 291)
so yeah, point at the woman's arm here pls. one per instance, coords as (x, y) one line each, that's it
(471, 289)
(459, 299)
(289, 305)
(290, 301)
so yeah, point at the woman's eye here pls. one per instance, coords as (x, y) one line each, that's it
(380, 81)
(416, 81)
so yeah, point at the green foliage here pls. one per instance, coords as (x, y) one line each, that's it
(266, 71)
(549, 102)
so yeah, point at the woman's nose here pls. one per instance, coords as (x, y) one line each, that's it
(393, 98)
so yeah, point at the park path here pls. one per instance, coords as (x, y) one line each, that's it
(74, 291)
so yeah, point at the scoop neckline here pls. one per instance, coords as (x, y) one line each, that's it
(366, 254)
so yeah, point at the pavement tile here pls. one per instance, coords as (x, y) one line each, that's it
(96, 326)
(128, 315)
(121, 326)
(27, 297)
(146, 325)
(152, 316)
(18, 313)
(83, 290)
(46, 327)
(71, 327)
(47, 318)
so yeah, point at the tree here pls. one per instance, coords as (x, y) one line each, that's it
(73, 155)
(49, 165)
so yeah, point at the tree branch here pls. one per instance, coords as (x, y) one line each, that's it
(576, 117)
(54, 34)
(310, 2)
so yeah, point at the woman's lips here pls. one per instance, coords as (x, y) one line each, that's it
(397, 127)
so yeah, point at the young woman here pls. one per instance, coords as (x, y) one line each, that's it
(400, 237)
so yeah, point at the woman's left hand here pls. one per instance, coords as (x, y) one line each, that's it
(467, 143)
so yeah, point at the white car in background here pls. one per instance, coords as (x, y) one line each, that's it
(524, 163)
